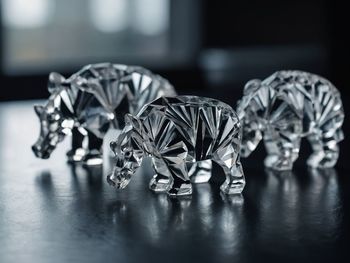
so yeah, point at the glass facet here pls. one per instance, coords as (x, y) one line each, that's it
(286, 107)
(182, 135)
(89, 103)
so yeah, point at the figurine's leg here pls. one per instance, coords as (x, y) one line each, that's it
(181, 184)
(228, 158)
(325, 151)
(160, 182)
(94, 155)
(200, 172)
(282, 148)
(77, 153)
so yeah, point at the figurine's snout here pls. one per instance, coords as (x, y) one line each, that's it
(110, 181)
(120, 178)
(40, 152)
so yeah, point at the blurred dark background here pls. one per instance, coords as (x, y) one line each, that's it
(202, 47)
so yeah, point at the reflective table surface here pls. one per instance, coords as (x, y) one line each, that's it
(54, 212)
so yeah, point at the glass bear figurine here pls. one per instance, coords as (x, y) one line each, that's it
(179, 133)
(286, 107)
(90, 102)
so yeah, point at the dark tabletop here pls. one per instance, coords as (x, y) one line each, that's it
(53, 212)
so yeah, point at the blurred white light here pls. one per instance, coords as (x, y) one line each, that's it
(109, 15)
(151, 17)
(26, 13)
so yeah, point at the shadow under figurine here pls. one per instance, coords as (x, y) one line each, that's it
(179, 133)
(90, 102)
(284, 108)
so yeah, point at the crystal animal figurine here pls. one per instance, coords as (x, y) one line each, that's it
(90, 102)
(285, 107)
(179, 133)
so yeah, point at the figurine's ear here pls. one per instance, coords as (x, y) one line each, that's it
(55, 81)
(251, 86)
(88, 85)
(134, 121)
(113, 146)
(38, 109)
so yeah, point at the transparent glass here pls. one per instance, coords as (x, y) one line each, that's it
(182, 135)
(286, 107)
(89, 103)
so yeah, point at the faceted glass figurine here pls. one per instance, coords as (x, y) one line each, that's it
(90, 102)
(284, 108)
(180, 133)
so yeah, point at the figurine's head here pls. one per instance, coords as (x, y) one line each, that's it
(54, 126)
(128, 152)
(248, 115)
(52, 131)
(251, 136)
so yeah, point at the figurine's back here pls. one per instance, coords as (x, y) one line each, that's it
(315, 99)
(203, 124)
(106, 92)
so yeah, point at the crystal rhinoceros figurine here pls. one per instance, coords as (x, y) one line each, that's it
(178, 132)
(284, 108)
(90, 102)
